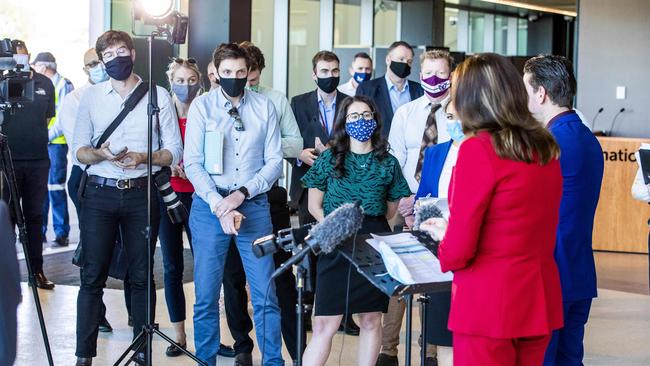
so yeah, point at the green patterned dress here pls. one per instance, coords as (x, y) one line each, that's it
(373, 183)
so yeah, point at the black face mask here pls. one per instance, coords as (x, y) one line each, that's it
(234, 87)
(119, 68)
(401, 69)
(329, 84)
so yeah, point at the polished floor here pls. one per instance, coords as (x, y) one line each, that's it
(617, 332)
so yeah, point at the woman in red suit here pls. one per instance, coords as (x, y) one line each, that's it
(504, 202)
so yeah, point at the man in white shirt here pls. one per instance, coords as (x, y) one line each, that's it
(360, 71)
(416, 126)
(115, 194)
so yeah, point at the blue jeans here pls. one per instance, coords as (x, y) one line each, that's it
(210, 246)
(56, 187)
(171, 244)
(566, 346)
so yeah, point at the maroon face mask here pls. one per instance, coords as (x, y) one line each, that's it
(435, 86)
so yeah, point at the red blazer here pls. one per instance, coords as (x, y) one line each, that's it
(500, 243)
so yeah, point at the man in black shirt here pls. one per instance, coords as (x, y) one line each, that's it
(26, 131)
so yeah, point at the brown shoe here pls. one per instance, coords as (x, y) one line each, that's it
(42, 282)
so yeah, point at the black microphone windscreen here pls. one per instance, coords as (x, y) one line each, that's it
(425, 210)
(338, 226)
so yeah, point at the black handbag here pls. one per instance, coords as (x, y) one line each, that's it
(134, 99)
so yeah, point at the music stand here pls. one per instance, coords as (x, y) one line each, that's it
(369, 264)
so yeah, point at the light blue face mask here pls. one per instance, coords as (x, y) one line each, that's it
(455, 129)
(97, 74)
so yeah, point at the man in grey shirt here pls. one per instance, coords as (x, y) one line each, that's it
(116, 189)
(231, 200)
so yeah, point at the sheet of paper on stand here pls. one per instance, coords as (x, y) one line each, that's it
(407, 260)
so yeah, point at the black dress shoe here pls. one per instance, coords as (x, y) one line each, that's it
(105, 326)
(244, 359)
(42, 281)
(226, 351)
(174, 350)
(139, 359)
(386, 360)
(84, 361)
(349, 326)
(61, 241)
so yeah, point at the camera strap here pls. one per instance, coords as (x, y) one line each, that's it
(129, 105)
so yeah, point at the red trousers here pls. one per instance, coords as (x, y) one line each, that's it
(471, 350)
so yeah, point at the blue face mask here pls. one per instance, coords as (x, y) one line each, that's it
(185, 93)
(360, 77)
(97, 74)
(362, 129)
(455, 129)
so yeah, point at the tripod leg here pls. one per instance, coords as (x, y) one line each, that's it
(409, 329)
(135, 345)
(6, 166)
(186, 352)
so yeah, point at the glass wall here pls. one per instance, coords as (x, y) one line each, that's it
(501, 34)
(262, 34)
(522, 37)
(386, 23)
(304, 28)
(451, 28)
(476, 32)
(347, 23)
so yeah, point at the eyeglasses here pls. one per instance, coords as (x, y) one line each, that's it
(354, 116)
(234, 114)
(120, 52)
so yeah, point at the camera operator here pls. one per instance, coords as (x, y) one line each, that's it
(26, 131)
(115, 193)
(45, 64)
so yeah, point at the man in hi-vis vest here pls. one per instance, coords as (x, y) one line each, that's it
(45, 64)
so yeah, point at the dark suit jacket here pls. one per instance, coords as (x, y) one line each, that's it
(582, 173)
(305, 108)
(377, 90)
(9, 288)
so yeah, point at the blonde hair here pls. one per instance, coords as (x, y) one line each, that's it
(177, 63)
(437, 55)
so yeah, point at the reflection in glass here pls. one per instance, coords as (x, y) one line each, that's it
(451, 28)
(500, 34)
(262, 35)
(385, 22)
(522, 37)
(347, 23)
(476, 32)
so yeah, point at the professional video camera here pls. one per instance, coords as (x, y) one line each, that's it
(16, 85)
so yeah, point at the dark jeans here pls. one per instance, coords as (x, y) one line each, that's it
(31, 180)
(234, 282)
(104, 210)
(171, 244)
(57, 198)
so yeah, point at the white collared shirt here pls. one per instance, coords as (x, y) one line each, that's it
(406, 131)
(251, 158)
(447, 169)
(67, 117)
(348, 88)
(98, 108)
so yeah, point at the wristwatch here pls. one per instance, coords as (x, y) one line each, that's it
(244, 190)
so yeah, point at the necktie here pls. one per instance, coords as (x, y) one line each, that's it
(429, 138)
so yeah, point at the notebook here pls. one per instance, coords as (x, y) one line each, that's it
(213, 152)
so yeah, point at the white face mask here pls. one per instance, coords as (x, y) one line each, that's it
(22, 60)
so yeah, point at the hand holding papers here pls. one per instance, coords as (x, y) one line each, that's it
(407, 260)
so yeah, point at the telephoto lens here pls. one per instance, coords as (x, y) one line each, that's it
(175, 208)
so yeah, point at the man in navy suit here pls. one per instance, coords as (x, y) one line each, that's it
(551, 86)
(393, 90)
(9, 288)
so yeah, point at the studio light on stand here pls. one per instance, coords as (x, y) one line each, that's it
(172, 25)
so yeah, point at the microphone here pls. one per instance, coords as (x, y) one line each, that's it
(593, 120)
(611, 127)
(338, 226)
(425, 210)
(7, 63)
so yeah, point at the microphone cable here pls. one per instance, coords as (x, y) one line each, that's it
(347, 297)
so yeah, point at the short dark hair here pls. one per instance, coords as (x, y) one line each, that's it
(396, 44)
(111, 38)
(361, 55)
(229, 51)
(555, 74)
(255, 56)
(327, 56)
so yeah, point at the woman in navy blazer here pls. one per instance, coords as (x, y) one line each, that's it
(439, 161)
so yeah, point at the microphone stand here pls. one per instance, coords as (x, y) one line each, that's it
(303, 284)
(611, 128)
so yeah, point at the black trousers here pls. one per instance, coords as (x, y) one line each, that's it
(234, 282)
(31, 180)
(103, 211)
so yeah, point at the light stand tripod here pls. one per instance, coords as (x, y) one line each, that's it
(145, 337)
(6, 166)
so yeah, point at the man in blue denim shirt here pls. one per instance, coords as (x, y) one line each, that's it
(252, 162)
